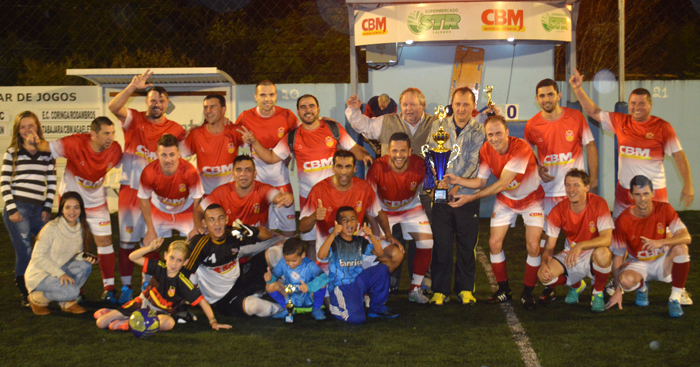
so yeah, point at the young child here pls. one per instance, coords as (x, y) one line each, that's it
(298, 270)
(166, 290)
(348, 281)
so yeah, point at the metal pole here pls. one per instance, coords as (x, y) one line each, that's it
(571, 56)
(353, 51)
(621, 50)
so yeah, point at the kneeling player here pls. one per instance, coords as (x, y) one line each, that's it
(641, 232)
(588, 227)
(349, 282)
(167, 289)
(299, 271)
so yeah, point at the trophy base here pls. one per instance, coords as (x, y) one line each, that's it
(440, 196)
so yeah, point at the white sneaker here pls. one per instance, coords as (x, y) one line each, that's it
(685, 298)
(417, 296)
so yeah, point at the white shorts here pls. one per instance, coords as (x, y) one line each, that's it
(581, 270)
(412, 221)
(310, 235)
(371, 260)
(650, 270)
(258, 247)
(165, 223)
(533, 214)
(283, 218)
(99, 221)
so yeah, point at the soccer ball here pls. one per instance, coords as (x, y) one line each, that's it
(143, 323)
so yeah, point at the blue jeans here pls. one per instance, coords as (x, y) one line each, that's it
(79, 270)
(21, 233)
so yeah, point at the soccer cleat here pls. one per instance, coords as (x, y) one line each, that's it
(185, 316)
(685, 298)
(572, 296)
(547, 296)
(598, 302)
(417, 296)
(117, 325)
(126, 296)
(642, 298)
(439, 299)
(610, 288)
(674, 308)
(466, 297)
(499, 297)
(318, 314)
(101, 312)
(108, 297)
(282, 313)
(528, 301)
(385, 313)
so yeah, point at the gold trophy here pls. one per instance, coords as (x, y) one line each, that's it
(489, 103)
(439, 157)
(289, 289)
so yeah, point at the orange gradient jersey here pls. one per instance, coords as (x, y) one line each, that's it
(629, 230)
(582, 226)
(397, 191)
(251, 209)
(171, 194)
(215, 154)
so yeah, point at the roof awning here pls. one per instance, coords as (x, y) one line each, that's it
(210, 76)
(378, 2)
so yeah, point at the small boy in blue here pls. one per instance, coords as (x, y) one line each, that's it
(298, 270)
(349, 282)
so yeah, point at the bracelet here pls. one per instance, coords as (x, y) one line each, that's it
(212, 322)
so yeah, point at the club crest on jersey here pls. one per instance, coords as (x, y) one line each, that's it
(171, 291)
(660, 229)
(413, 185)
(129, 229)
(280, 132)
(493, 215)
(591, 226)
(358, 206)
(231, 148)
(110, 165)
(569, 135)
(256, 208)
(295, 275)
(650, 136)
(329, 141)
(183, 188)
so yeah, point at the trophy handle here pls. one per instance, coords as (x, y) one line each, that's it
(424, 150)
(456, 151)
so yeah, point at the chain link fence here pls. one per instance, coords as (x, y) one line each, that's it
(282, 40)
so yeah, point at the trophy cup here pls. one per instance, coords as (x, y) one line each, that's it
(438, 158)
(289, 289)
(489, 90)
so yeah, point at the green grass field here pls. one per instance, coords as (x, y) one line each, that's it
(478, 335)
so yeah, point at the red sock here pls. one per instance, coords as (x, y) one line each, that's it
(107, 269)
(600, 280)
(560, 281)
(576, 285)
(126, 267)
(679, 273)
(531, 275)
(500, 272)
(421, 262)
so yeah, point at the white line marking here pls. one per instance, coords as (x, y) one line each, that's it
(516, 329)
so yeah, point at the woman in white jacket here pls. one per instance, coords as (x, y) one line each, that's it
(60, 264)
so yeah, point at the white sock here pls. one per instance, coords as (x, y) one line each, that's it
(675, 294)
(255, 306)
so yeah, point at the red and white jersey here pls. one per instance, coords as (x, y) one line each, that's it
(360, 196)
(215, 154)
(581, 226)
(171, 194)
(559, 145)
(629, 230)
(85, 169)
(251, 209)
(140, 144)
(269, 131)
(641, 146)
(397, 191)
(525, 187)
(313, 151)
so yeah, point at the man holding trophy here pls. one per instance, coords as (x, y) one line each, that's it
(455, 221)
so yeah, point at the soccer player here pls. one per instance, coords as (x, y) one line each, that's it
(169, 191)
(518, 193)
(559, 135)
(88, 159)
(397, 178)
(458, 224)
(229, 287)
(643, 141)
(344, 189)
(313, 148)
(215, 143)
(640, 231)
(585, 219)
(270, 123)
(142, 129)
(349, 281)
(244, 198)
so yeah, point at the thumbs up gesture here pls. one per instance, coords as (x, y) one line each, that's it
(320, 211)
(303, 287)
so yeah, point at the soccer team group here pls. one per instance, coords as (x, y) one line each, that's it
(229, 205)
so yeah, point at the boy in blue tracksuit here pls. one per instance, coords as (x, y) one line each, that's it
(349, 282)
(300, 271)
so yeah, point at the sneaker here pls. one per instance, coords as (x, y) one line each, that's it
(598, 302)
(417, 296)
(528, 301)
(24, 302)
(572, 296)
(318, 314)
(385, 313)
(439, 299)
(126, 296)
(685, 298)
(101, 312)
(610, 288)
(122, 325)
(547, 296)
(185, 316)
(108, 297)
(674, 308)
(282, 313)
(466, 297)
(642, 298)
(81, 297)
(499, 297)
